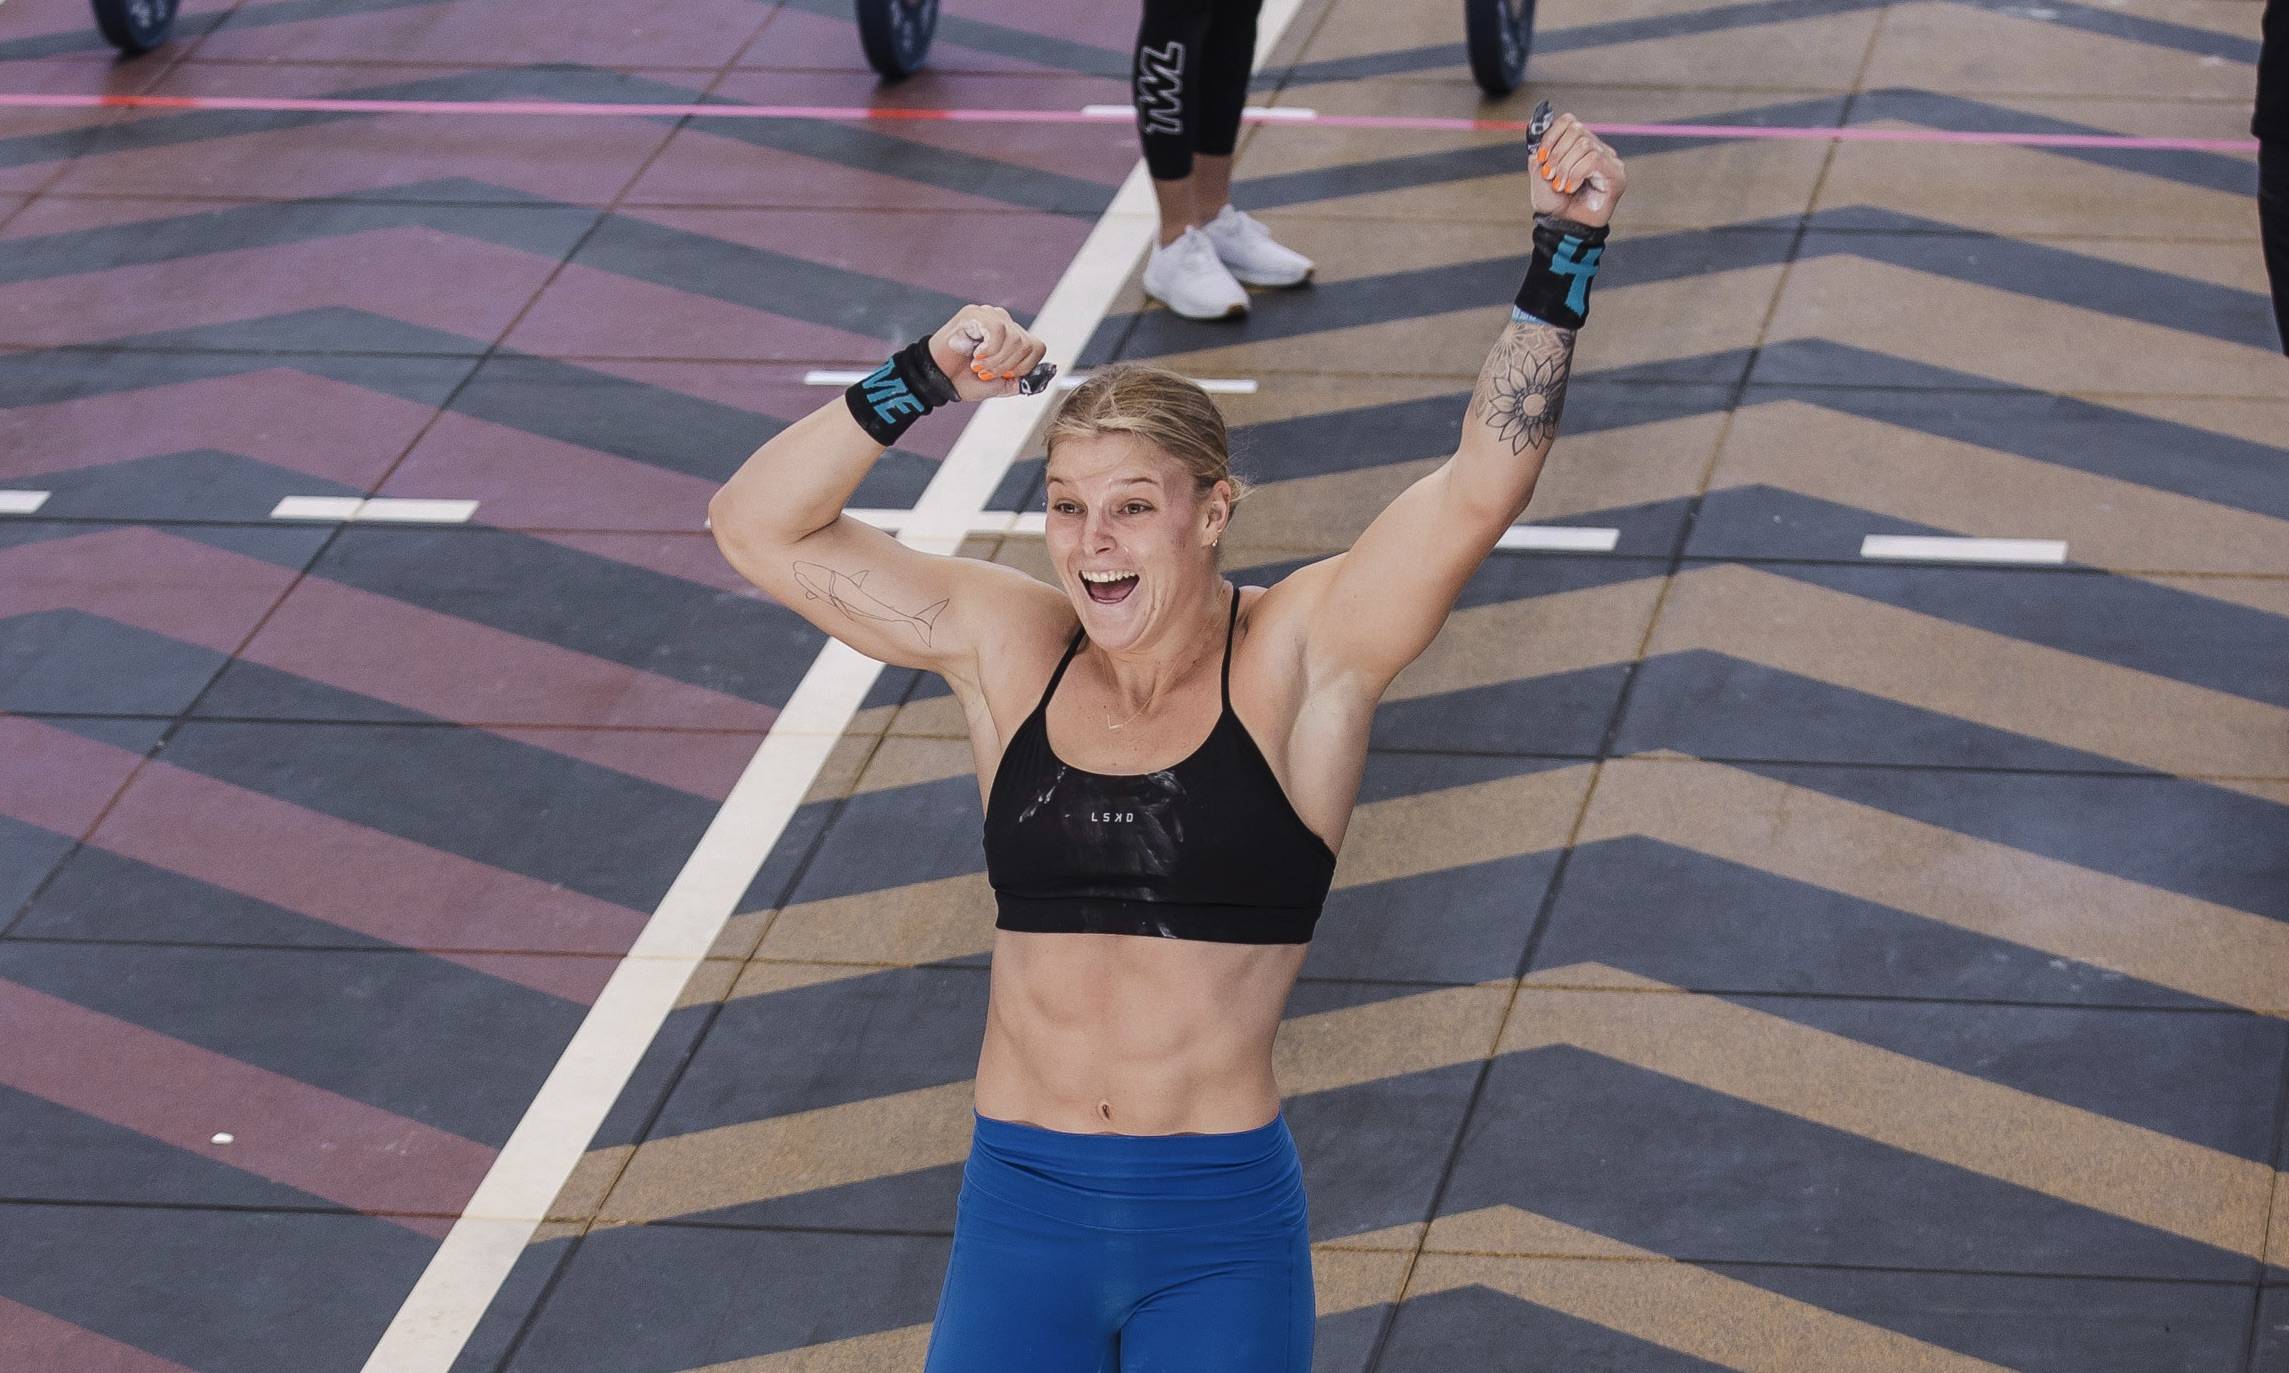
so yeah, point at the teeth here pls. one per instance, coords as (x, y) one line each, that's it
(1104, 577)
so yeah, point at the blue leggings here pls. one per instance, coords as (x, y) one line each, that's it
(1083, 1253)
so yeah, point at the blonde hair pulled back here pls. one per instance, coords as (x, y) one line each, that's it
(1168, 411)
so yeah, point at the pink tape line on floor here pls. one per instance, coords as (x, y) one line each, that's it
(895, 114)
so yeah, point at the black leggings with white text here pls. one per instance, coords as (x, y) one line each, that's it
(1190, 80)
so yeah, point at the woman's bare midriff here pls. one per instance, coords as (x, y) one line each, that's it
(1133, 1035)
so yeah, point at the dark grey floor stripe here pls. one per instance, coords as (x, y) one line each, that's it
(2084, 435)
(1463, 164)
(1435, 290)
(2155, 33)
(2182, 836)
(199, 126)
(1582, 37)
(1397, 62)
(967, 173)
(741, 645)
(866, 149)
(86, 39)
(2169, 633)
(2007, 264)
(2216, 171)
(190, 27)
(887, 310)
(1087, 59)
(553, 818)
(856, 302)
(1718, 19)
(577, 405)
(2204, 464)
(511, 219)
(2011, 264)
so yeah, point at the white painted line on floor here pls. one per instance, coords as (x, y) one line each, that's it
(387, 509)
(987, 521)
(17, 502)
(891, 520)
(1951, 549)
(407, 510)
(1293, 112)
(1228, 386)
(1559, 537)
(317, 508)
(1066, 381)
(466, 1271)
(1011, 522)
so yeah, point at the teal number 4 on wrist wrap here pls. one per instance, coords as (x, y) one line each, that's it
(1566, 256)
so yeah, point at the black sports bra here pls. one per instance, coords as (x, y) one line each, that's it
(1207, 849)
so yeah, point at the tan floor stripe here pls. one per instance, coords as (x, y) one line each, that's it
(2277, 1232)
(1967, 489)
(1973, 674)
(1940, 321)
(2019, 191)
(878, 1352)
(1342, 1279)
(1697, 1312)
(1712, 312)
(923, 922)
(2078, 1156)
(1389, 1038)
(784, 1156)
(878, 1137)
(1401, 837)
(1991, 889)
(1540, 636)
(1411, 835)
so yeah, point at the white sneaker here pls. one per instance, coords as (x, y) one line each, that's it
(1246, 246)
(1187, 277)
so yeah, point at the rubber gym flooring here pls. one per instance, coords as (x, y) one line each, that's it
(1747, 954)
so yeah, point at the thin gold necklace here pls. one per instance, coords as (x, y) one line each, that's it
(1109, 725)
(1131, 720)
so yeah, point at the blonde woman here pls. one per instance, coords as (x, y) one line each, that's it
(1167, 762)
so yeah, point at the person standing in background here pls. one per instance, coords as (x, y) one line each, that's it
(1190, 81)
(2270, 125)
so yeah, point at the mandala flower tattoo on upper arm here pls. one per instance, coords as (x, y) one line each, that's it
(1522, 392)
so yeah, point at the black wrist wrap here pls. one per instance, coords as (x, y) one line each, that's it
(1557, 289)
(891, 397)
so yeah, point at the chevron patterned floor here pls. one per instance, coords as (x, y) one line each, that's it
(1746, 956)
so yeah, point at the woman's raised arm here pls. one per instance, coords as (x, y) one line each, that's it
(1373, 609)
(780, 520)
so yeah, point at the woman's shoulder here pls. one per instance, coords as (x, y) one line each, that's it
(1024, 631)
(1281, 607)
